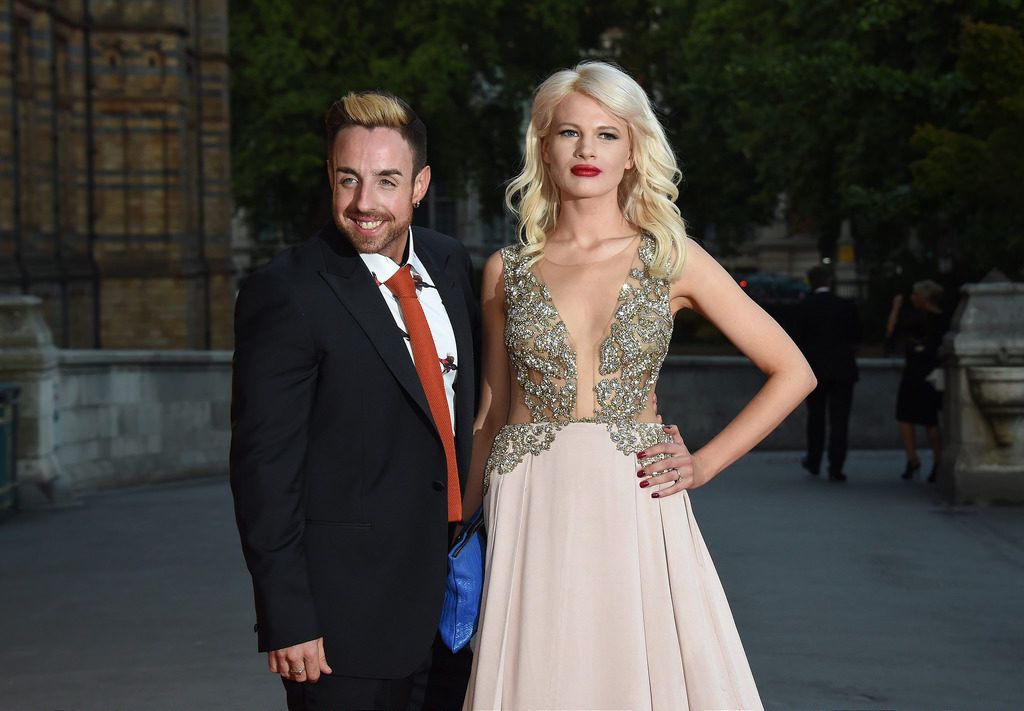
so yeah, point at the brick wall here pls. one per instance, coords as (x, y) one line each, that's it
(115, 203)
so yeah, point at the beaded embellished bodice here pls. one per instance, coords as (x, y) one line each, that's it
(544, 361)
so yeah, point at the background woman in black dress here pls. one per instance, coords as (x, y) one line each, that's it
(919, 325)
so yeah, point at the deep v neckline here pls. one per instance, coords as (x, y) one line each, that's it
(610, 322)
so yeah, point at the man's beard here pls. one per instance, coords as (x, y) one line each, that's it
(394, 230)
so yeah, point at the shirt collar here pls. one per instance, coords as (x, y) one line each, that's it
(383, 268)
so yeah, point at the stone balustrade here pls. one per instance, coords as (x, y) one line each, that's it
(983, 418)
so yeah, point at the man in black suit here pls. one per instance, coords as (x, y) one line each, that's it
(346, 474)
(827, 329)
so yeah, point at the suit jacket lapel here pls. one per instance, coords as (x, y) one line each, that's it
(352, 283)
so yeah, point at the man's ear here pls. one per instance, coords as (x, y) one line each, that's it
(420, 184)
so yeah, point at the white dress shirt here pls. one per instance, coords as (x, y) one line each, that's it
(383, 268)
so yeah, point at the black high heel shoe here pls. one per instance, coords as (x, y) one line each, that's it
(911, 471)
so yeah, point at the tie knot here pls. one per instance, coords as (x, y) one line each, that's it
(401, 284)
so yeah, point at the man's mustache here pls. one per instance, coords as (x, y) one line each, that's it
(369, 216)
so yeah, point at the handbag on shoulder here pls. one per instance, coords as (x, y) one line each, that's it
(461, 609)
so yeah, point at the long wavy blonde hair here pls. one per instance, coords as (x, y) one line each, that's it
(648, 191)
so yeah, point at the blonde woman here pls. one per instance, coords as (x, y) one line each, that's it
(600, 592)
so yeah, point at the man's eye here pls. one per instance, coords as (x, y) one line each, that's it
(388, 183)
(347, 181)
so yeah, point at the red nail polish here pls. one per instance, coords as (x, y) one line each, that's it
(641, 473)
(641, 455)
(655, 495)
(644, 484)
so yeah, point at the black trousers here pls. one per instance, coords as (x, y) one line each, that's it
(834, 397)
(438, 685)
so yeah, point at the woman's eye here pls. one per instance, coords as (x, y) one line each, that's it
(568, 133)
(609, 136)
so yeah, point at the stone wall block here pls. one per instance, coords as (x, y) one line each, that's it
(68, 392)
(85, 423)
(154, 444)
(94, 389)
(126, 446)
(150, 418)
(126, 387)
(220, 415)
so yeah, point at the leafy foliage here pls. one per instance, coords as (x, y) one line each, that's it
(903, 116)
(466, 66)
(974, 176)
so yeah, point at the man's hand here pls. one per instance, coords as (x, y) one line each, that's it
(678, 469)
(301, 662)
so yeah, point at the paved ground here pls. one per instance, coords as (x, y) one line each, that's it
(868, 595)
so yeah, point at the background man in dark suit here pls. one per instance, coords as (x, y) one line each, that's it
(827, 329)
(346, 470)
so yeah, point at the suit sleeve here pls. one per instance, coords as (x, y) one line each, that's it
(273, 385)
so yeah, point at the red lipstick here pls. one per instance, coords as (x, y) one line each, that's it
(585, 171)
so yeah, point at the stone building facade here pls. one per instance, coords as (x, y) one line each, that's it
(115, 200)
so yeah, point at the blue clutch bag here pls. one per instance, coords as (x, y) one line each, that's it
(465, 586)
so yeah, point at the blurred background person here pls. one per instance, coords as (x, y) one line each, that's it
(918, 324)
(827, 329)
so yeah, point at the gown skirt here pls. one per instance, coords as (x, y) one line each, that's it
(597, 596)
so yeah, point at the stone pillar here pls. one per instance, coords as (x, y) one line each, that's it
(983, 411)
(29, 359)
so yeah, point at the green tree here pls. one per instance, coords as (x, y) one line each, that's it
(973, 172)
(863, 111)
(817, 99)
(466, 66)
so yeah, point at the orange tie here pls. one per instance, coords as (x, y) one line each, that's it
(428, 367)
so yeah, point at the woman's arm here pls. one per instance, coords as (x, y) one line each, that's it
(708, 289)
(894, 314)
(494, 380)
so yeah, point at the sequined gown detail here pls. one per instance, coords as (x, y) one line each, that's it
(596, 596)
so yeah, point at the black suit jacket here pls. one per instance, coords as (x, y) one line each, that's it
(827, 329)
(337, 470)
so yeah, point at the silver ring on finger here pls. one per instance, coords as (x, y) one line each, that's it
(297, 672)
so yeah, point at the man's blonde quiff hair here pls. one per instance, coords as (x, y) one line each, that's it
(378, 109)
(648, 191)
